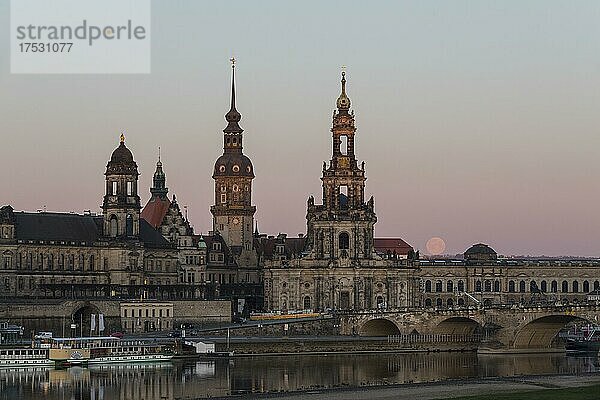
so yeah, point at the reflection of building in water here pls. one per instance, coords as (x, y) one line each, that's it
(268, 374)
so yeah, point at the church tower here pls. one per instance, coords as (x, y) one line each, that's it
(342, 227)
(159, 188)
(121, 206)
(233, 212)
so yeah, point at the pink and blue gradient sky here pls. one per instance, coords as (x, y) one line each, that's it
(478, 120)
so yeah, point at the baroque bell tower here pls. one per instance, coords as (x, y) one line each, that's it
(233, 212)
(342, 226)
(121, 205)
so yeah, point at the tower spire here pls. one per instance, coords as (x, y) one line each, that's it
(343, 102)
(233, 116)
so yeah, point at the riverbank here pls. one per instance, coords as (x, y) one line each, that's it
(546, 387)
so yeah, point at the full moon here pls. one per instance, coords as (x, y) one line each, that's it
(435, 246)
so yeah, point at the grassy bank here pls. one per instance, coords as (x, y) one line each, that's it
(575, 393)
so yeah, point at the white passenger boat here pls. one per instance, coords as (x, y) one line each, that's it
(24, 357)
(107, 350)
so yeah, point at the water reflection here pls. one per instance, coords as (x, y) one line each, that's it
(223, 377)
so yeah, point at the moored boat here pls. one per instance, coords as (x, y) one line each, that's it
(25, 357)
(108, 350)
(584, 338)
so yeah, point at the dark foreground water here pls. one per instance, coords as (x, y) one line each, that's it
(221, 377)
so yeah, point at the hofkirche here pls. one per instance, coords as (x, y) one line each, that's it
(146, 268)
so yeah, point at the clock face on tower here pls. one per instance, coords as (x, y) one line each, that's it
(236, 221)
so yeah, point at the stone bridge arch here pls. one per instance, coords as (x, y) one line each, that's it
(540, 332)
(379, 327)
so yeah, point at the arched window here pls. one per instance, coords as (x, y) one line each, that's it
(575, 287)
(344, 241)
(428, 286)
(438, 286)
(449, 286)
(488, 285)
(544, 286)
(496, 286)
(532, 287)
(554, 287)
(461, 302)
(565, 286)
(478, 286)
(449, 302)
(427, 302)
(461, 286)
(586, 286)
(114, 226)
(596, 285)
(379, 301)
(129, 225)
(307, 302)
(522, 286)
(511, 286)
(438, 302)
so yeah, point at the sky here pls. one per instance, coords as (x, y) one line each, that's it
(477, 120)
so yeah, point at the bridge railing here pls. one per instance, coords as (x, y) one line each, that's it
(434, 338)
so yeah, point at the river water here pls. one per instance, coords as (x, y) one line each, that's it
(223, 377)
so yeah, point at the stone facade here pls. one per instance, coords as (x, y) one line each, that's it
(338, 268)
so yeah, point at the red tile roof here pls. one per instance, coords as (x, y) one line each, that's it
(383, 245)
(155, 210)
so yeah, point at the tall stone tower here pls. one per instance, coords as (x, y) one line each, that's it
(342, 227)
(159, 181)
(121, 206)
(233, 212)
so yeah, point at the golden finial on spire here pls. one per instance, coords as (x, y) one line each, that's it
(122, 137)
(232, 59)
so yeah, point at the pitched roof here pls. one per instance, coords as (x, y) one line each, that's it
(56, 226)
(155, 210)
(266, 246)
(397, 245)
(152, 237)
(74, 228)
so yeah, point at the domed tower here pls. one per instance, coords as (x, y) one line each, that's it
(342, 227)
(121, 206)
(233, 212)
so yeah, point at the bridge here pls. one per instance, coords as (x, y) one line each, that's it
(503, 327)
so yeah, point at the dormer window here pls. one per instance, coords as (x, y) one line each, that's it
(236, 168)
(216, 246)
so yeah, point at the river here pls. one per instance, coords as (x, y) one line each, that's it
(223, 377)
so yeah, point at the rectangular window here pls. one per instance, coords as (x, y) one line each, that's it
(344, 144)
(129, 188)
(114, 189)
(223, 198)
